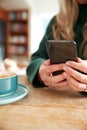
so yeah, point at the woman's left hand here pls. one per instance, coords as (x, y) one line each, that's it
(76, 74)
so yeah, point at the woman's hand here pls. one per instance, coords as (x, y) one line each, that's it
(74, 73)
(45, 73)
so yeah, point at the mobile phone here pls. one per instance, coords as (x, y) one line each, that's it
(60, 51)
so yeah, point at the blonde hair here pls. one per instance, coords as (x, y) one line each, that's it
(84, 30)
(66, 19)
(83, 47)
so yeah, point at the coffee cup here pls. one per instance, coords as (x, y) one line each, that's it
(8, 82)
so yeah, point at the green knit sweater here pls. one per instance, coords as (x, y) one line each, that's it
(41, 54)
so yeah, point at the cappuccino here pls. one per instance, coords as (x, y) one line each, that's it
(8, 83)
(6, 74)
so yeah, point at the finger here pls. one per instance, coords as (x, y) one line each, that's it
(76, 85)
(57, 85)
(54, 79)
(80, 60)
(80, 65)
(54, 67)
(62, 83)
(75, 74)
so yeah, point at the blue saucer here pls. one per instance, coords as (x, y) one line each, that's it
(20, 93)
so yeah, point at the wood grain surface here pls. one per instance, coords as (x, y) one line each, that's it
(45, 109)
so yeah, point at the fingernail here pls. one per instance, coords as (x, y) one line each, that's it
(83, 86)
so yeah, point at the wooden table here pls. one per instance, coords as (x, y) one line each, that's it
(45, 109)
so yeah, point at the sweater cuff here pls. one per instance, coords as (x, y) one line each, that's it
(32, 70)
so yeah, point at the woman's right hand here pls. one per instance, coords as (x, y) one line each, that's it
(45, 73)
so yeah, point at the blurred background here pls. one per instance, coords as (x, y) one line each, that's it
(22, 26)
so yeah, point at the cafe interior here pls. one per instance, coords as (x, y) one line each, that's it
(22, 25)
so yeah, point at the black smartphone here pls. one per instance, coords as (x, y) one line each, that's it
(60, 51)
